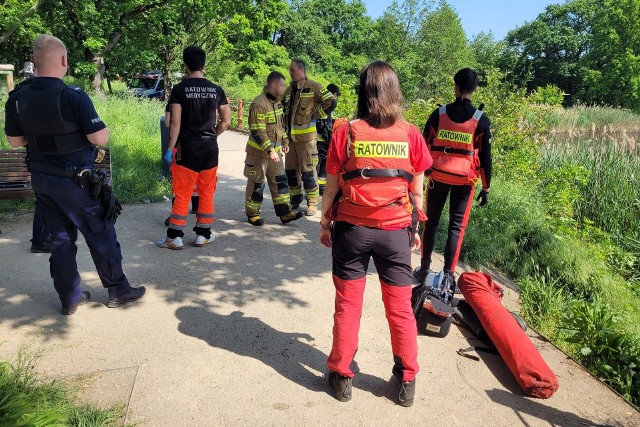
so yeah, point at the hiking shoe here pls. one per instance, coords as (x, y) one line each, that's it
(42, 248)
(202, 241)
(174, 244)
(341, 386)
(256, 220)
(420, 275)
(311, 211)
(291, 216)
(85, 297)
(134, 294)
(406, 393)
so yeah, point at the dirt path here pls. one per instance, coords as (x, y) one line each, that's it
(237, 333)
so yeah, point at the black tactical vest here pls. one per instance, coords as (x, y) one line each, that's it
(46, 130)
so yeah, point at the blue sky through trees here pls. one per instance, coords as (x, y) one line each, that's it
(498, 16)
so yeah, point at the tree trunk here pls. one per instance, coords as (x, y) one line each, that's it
(99, 76)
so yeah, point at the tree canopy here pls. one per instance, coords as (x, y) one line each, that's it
(589, 49)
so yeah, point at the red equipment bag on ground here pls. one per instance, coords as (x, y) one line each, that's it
(523, 359)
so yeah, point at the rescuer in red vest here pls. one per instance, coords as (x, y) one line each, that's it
(459, 138)
(375, 176)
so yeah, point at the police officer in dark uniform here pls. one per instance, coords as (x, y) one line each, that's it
(62, 129)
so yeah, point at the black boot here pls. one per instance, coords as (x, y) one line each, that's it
(341, 386)
(407, 392)
(85, 297)
(420, 274)
(42, 247)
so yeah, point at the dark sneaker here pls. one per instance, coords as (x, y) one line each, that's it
(419, 274)
(133, 295)
(256, 220)
(341, 386)
(406, 393)
(85, 297)
(42, 248)
(291, 216)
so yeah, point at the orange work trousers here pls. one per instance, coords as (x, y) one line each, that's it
(183, 180)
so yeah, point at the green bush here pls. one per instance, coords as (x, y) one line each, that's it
(593, 328)
(549, 95)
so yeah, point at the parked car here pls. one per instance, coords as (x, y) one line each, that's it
(149, 84)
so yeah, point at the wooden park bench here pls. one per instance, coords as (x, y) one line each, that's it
(15, 179)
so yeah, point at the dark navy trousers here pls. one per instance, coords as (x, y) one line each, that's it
(40, 233)
(67, 208)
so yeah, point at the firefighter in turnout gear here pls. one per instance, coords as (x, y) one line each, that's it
(267, 143)
(324, 127)
(459, 138)
(301, 101)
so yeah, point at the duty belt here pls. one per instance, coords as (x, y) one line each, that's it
(451, 150)
(80, 175)
(367, 173)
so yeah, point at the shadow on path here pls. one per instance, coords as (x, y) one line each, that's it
(292, 355)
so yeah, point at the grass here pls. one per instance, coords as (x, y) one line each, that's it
(135, 147)
(25, 400)
(585, 117)
(610, 196)
(134, 125)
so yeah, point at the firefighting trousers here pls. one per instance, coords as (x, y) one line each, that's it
(460, 203)
(321, 169)
(300, 165)
(353, 247)
(183, 180)
(259, 170)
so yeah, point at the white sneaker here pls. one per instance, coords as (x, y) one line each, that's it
(174, 244)
(202, 241)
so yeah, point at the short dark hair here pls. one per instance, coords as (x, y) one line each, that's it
(274, 76)
(300, 63)
(467, 80)
(333, 88)
(379, 96)
(194, 58)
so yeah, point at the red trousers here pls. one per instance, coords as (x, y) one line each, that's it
(183, 180)
(353, 246)
(402, 324)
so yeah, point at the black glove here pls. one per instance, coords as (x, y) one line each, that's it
(483, 198)
(112, 207)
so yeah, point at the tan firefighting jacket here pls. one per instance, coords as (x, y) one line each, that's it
(301, 101)
(266, 126)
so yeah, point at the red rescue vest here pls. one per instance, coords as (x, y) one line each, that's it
(375, 184)
(455, 157)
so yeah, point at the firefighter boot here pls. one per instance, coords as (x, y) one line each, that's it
(291, 216)
(256, 220)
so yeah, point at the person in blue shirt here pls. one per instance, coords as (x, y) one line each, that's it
(62, 129)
